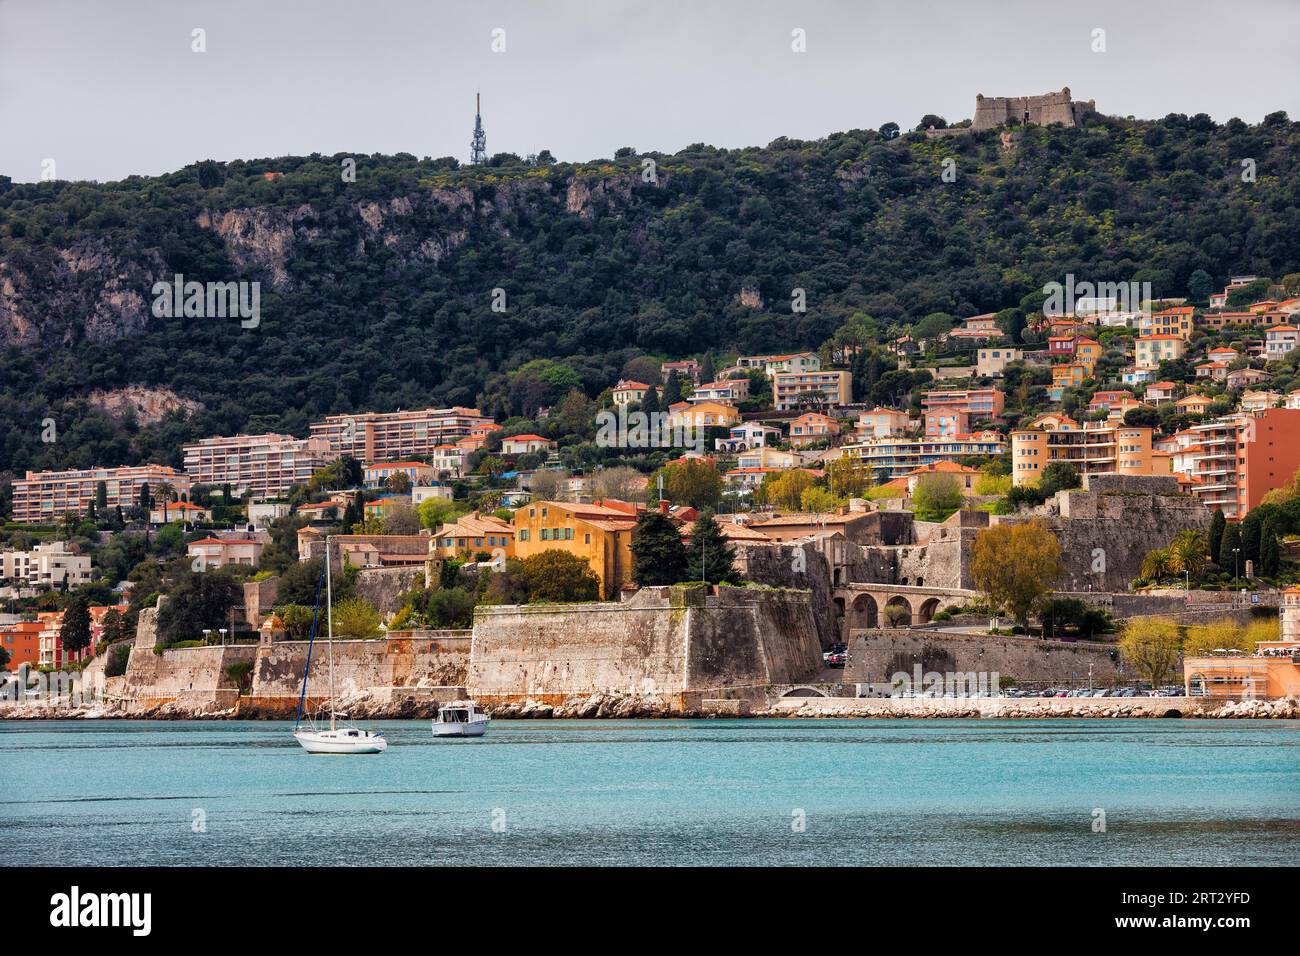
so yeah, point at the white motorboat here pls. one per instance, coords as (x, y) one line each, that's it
(460, 719)
(336, 740)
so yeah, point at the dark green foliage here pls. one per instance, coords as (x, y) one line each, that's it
(75, 630)
(1270, 551)
(710, 557)
(298, 583)
(1250, 537)
(196, 601)
(1061, 614)
(118, 658)
(858, 219)
(658, 555)
(1230, 558)
(1217, 525)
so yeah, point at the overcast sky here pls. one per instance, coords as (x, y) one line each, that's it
(108, 88)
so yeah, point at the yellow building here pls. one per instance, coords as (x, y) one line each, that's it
(1100, 448)
(1150, 350)
(473, 533)
(1088, 352)
(1069, 375)
(702, 415)
(600, 533)
(1176, 321)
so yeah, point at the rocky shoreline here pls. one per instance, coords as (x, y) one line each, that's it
(603, 706)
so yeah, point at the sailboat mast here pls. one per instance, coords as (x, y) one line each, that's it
(329, 617)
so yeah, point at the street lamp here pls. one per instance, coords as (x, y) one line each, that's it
(1236, 556)
(223, 637)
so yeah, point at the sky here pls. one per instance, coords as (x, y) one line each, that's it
(111, 88)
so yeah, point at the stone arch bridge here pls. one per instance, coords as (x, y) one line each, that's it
(866, 605)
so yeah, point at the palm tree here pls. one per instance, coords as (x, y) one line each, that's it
(1158, 564)
(164, 490)
(1189, 550)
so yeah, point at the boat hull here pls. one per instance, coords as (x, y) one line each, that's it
(474, 728)
(340, 742)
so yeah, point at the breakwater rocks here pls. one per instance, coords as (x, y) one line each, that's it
(588, 707)
(1030, 708)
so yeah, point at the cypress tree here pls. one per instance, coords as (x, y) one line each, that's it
(706, 368)
(712, 558)
(1250, 538)
(101, 497)
(672, 390)
(1217, 524)
(1231, 542)
(658, 554)
(650, 403)
(75, 630)
(1270, 551)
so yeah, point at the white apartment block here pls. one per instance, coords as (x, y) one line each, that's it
(46, 566)
(264, 466)
(991, 362)
(47, 495)
(396, 436)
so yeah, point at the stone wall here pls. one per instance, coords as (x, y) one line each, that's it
(381, 586)
(195, 676)
(874, 655)
(1106, 531)
(663, 644)
(404, 659)
(992, 111)
(806, 566)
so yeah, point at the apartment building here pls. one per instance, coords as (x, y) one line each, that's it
(1150, 350)
(811, 428)
(600, 533)
(748, 435)
(47, 565)
(951, 411)
(1232, 462)
(210, 553)
(890, 458)
(1280, 340)
(394, 436)
(44, 496)
(264, 466)
(835, 388)
(1096, 448)
(990, 362)
(882, 423)
(417, 472)
(731, 391)
(1176, 321)
(799, 362)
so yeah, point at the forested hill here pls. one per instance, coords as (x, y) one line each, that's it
(378, 293)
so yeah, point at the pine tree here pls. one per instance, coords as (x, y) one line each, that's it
(658, 554)
(712, 559)
(1217, 524)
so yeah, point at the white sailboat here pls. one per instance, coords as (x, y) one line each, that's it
(460, 719)
(336, 740)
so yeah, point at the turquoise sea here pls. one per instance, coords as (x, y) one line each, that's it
(659, 792)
